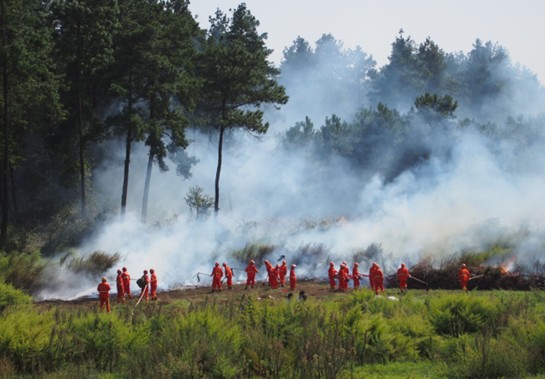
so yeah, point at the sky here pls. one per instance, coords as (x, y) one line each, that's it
(373, 25)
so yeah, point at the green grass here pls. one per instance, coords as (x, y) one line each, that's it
(435, 334)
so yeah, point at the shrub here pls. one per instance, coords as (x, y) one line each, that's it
(458, 314)
(11, 296)
(22, 270)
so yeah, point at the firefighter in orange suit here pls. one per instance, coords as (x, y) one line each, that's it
(356, 275)
(332, 274)
(228, 275)
(293, 277)
(120, 288)
(145, 290)
(463, 276)
(282, 272)
(251, 271)
(153, 284)
(104, 294)
(378, 279)
(402, 276)
(216, 275)
(126, 282)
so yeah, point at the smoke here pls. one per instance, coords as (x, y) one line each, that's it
(473, 190)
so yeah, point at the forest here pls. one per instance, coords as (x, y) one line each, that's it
(97, 94)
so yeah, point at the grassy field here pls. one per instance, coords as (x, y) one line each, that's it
(260, 333)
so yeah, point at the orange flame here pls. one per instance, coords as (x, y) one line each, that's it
(507, 266)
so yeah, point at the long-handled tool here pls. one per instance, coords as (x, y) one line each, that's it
(476, 277)
(201, 273)
(418, 280)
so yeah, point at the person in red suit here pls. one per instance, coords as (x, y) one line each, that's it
(145, 290)
(120, 287)
(104, 294)
(251, 271)
(463, 276)
(126, 282)
(282, 272)
(402, 276)
(293, 277)
(228, 275)
(217, 274)
(332, 274)
(153, 284)
(356, 275)
(378, 279)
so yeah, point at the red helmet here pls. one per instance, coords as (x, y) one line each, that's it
(403, 265)
(356, 264)
(293, 265)
(104, 279)
(217, 263)
(463, 265)
(252, 262)
(331, 264)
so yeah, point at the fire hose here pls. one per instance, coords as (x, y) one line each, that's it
(140, 299)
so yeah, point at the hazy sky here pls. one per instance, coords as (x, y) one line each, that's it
(518, 26)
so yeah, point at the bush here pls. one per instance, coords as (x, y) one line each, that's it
(11, 296)
(22, 270)
(454, 315)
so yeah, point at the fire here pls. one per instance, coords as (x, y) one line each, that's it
(507, 266)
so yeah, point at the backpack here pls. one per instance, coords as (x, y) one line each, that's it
(141, 282)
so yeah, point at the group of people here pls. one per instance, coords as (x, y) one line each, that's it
(276, 275)
(343, 276)
(147, 284)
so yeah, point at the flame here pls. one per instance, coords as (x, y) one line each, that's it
(507, 266)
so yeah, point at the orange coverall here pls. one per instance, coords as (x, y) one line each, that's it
(403, 275)
(251, 271)
(217, 274)
(153, 285)
(120, 287)
(378, 280)
(293, 278)
(145, 291)
(104, 295)
(273, 279)
(332, 273)
(228, 275)
(356, 276)
(282, 272)
(463, 277)
(126, 282)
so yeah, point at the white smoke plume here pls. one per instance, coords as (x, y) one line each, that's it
(483, 190)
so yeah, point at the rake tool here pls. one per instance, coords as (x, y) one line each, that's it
(199, 278)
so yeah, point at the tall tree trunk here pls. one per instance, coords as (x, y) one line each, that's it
(127, 152)
(5, 119)
(80, 141)
(79, 119)
(218, 171)
(146, 187)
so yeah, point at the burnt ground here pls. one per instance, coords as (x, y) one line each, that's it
(486, 278)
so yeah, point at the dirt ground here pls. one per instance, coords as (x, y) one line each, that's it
(195, 294)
